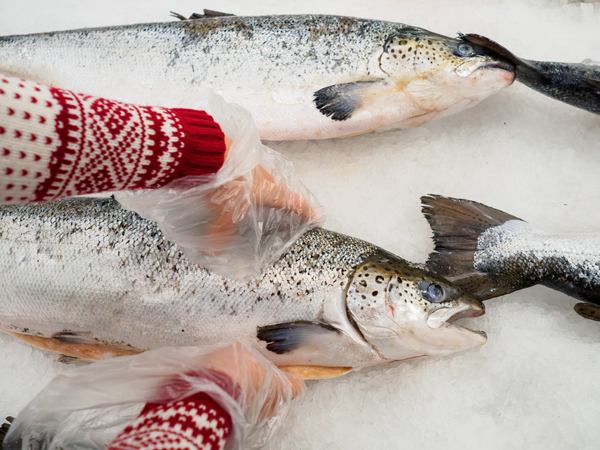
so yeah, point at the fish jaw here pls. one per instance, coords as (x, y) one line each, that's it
(390, 303)
(456, 337)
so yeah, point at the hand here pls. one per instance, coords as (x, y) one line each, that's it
(240, 220)
(230, 206)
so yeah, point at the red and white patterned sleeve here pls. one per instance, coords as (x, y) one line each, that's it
(56, 143)
(194, 423)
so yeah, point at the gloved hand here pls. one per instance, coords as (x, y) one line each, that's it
(240, 220)
(90, 406)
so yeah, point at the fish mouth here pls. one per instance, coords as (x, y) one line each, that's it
(444, 315)
(467, 68)
(503, 65)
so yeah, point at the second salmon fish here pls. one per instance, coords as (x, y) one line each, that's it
(301, 77)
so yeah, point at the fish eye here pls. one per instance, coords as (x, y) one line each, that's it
(432, 291)
(465, 50)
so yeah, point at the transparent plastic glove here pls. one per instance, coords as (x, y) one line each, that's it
(88, 407)
(240, 220)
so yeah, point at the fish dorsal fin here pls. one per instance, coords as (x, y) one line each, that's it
(457, 225)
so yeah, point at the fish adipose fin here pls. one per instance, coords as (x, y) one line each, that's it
(339, 101)
(286, 337)
(457, 225)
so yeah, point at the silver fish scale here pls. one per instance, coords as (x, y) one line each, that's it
(87, 266)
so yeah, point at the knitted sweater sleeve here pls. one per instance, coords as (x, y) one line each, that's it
(194, 423)
(56, 143)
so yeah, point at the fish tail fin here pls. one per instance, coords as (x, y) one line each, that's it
(457, 225)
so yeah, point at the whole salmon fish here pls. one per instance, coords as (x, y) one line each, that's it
(87, 278)
(301, 76)
(489, 253)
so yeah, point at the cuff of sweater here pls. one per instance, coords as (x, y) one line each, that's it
(203, 141)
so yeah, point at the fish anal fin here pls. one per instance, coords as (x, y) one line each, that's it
(287, 337)
(95, 351)
(315, 372)
(588, 311)
(340, 101)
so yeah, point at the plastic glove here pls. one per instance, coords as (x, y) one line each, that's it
(89, 406)
(240, 220)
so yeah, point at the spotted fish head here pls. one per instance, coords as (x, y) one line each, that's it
(443, 65)
(404, 312)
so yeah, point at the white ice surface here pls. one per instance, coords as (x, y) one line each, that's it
(535, 385)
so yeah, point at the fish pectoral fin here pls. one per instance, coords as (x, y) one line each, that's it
(339, 101)
(284, 338)
(208, 14)
(588, 311)
(315, 372)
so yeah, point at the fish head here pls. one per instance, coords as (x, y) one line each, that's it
(439, 69)
(405, 312)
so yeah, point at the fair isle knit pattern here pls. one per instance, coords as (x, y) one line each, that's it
(55, 143)
(195, 423)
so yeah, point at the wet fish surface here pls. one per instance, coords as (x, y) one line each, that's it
(577, 84)
(489, 253)
(301, 76)
(87, 278)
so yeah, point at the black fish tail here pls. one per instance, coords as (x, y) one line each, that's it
(457, 225)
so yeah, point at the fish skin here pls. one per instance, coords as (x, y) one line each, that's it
(85, 269)
(489, 253)
(274, 66)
